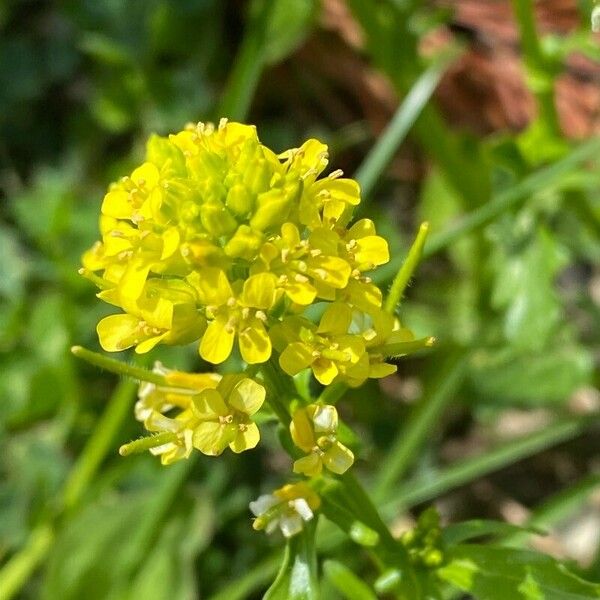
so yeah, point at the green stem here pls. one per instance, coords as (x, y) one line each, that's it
(99, 444)
(463, 472)
(16, 571)
(118, 367)
(146, 443)
(540, 70)
(402, 348)
(332, 393)
(419, 426)
(406, 270)
(248, 66)
(281, 390)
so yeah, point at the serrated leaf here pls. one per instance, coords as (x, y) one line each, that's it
(496, 573)
(524, 289)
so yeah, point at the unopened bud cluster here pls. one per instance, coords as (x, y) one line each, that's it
(424, 542)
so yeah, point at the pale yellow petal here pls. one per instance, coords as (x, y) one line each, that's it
(212, 438)
(217, 341)
(259, 291)
(336, 319)
(338, 459)
(295, 357)
(247, 396)
(246, 438)
(325, 370)
(255, 344)
(301, 430)
(310, 465)
(208, 405)
(118, 332)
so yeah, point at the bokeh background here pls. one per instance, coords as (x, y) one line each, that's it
(513, 297)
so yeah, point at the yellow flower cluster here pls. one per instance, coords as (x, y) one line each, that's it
(212, 412)
(216, 238)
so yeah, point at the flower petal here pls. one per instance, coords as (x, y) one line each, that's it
(259, 291)
(290, 524)
(336, 319)
(118, 332)
(116, 204)
(255, 344)
(208, 405)
(212, 438)
(217, 341)
(245, 439)
(310, 465)
(325, 419)
(338, 459)
(302, 293)
(295, 357)
(262, 504)
(325, 370)
(302, 431)
(213, 287)
(247, 396)
(331, 270)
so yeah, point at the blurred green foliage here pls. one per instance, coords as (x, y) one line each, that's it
(82, 84)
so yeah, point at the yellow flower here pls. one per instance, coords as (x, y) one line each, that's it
(232, 314)
(177, 393)
(288, 508)
(314, 430)
(224, 416)
(165, 312)
(212, 419)
(329, 350)
(364, 250)
(306, 268)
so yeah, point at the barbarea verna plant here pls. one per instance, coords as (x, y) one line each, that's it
(216, 240)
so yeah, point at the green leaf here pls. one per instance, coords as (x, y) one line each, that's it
(468, 530)
(14, 268)
(288, 26)
(99, 552)
(350, 586)
(297, 578)
(524, 287)
(496, 573)
(548, 376)
(335, 508)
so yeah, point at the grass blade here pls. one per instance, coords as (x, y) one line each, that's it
(500, 203)
(407, 113)
(472, 469)
(248, 67)
(413, 435)
(17, 570)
